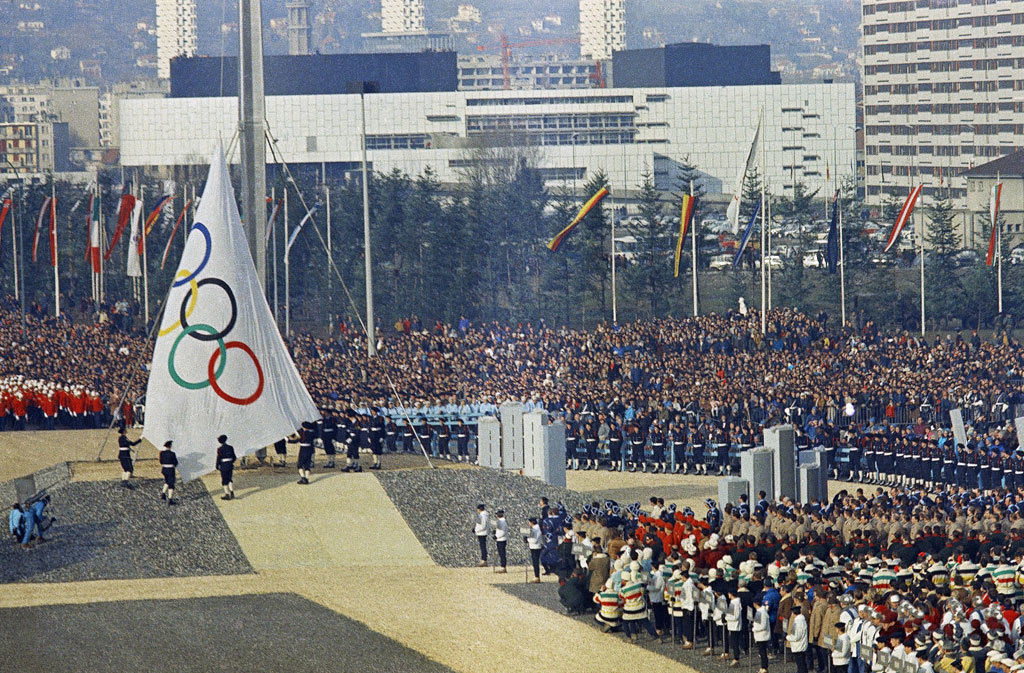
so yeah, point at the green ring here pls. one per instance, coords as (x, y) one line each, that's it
(200, 327)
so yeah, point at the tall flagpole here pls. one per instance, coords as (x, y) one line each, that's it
(768, 246)
(764, 288)
(693, 254)
(53, 242)
(842, 271)
(273, 235)
(999, 253)
(615, 299)
(145, 274)
(287, 274)
(14, 239)
(920, 244)
(330, 256)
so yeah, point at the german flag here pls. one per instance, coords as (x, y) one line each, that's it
(587, 207)
(684, 226)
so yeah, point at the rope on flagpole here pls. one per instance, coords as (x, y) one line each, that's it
(135, 371)
(274, 149)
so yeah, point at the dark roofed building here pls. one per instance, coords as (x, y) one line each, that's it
(1009, 170)
(694, 64)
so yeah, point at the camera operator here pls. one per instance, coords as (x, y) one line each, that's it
(24, 521)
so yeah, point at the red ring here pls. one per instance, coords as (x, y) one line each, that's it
(213, 380)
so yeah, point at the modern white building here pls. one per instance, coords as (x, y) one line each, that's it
(299, 30)
(602, 28)
(175, 32)
(484, 72)
(943, 92)
(401, 16)
(567, 134)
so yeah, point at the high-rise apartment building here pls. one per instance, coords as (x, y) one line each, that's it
(401, 16)
(943, 92)
(175, 32)
(298, 27)
(602, 28)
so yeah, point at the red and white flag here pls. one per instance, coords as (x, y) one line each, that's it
(993, 214)
(94, 237)
(53, 231)
(39, 225)
(901, 220)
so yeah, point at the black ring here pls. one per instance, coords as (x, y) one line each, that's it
(234, 310)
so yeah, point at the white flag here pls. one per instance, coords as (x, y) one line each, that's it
(134, 269)
(732, 212)
(220, 365)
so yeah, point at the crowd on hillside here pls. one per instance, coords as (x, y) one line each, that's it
(900, 580)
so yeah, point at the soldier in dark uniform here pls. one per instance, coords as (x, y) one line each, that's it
(677, 446)
(698, 438)
(328, 431)
(226, 464)
(305, 441)
(871, 456)
(426, 435)
(590, 440)
(637, 441)
(570, 445)
(721, 442)
(408, 437)
(462, 434)
(168, 463)
(973, 463)
(352, 444)
(444, 436)
(391, 437)
(124, 454)
(657, 449)
(281, 449)
(1018, 469)
(376, 437)
(581, 445)
(935, 456)
(615, 443)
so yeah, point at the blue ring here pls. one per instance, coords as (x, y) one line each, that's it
(206, 257)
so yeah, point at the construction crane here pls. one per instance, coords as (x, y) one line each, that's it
(506, 48)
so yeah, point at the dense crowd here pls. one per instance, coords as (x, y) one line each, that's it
(716, 370)
(891, 580)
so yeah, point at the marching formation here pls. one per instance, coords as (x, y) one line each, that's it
(891, 580)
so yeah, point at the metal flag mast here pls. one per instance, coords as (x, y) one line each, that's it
(999, 247)
(693, 254)
(764, 287)
(252, 132)
(53, 251)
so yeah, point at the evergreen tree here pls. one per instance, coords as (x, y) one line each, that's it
(944, 294)
(649, 274)
(690, 177)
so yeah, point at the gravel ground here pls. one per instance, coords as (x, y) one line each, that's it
(440, 508)
(546, 595)
(270, 632)
(104, 531)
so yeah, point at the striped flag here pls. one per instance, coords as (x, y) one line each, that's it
(746, 236)
(684, 225)
(587, 207)
(153, 217)
(3, 214)
(298, 227)
(732, 212)
(170, 239)
(39, 225)
(273, 216)
(94, 237)
(901, 220)
(993, 214)
(832, 242)
(53, 231)
(124, 217)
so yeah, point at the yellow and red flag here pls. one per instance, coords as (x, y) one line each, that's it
(587, 207)
(684, 225)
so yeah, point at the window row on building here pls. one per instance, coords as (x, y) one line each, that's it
(945, 45)
(944, 66)
(537, 122)
(938, 150)
(943, 129)
(553, 100)
(910, 5)
(899, 27)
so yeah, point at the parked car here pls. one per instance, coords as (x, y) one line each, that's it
(721, 262)
(813, 260)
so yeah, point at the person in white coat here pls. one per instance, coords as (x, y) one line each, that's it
(762, 627)
(796, 639)
(733, 626)
(535, 542)
(501, 539)
(841, 649)
(482, 529)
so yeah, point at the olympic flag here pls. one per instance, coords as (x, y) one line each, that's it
(220, 365)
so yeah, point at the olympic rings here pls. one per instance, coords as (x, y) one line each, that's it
(221, 348)
(242, 401)
(194, 291)
(184, 312)
(206, 255)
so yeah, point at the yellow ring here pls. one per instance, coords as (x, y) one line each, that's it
(184, 273)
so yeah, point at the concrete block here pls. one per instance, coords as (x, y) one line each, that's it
(534, 443)
(489, 442)
(756, 466)
(809, 483)
(730, 489)
(553, 472)
(511, 414)
(782, 441)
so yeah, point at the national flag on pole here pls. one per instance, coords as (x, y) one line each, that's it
(306, 218)
(3, 213)
(732, 213)
(39, 224)
(133, 266)
(170, 239)
(219, 364)
(901, 220)
(53, 231)
(273, 216)
(746, 236)
(587, 207)
(832, 245)
(94, 237)
(124, 215)
(684, 224)
(993, 214)
(154, 215)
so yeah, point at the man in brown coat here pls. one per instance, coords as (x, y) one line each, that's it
(817, 621)
(599, 566)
